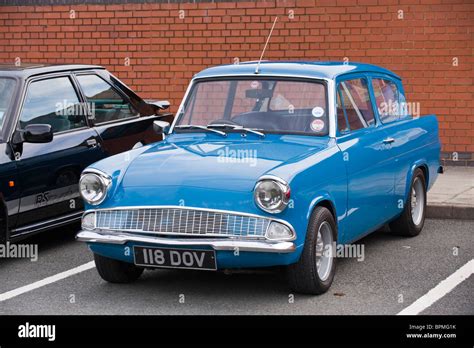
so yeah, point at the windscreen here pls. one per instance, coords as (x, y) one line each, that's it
(271, 105)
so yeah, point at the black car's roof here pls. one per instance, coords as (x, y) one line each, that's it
(29, 69)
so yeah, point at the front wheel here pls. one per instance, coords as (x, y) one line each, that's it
(411, 221)
(314, 272)
(115, 271)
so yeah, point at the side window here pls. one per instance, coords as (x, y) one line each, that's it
(387, 99)
(355, 101)
(7, 89)
(55, 102)
(106, 103)
(341, 117)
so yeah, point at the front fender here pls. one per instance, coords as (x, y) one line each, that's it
(322, 180)
(115, 166)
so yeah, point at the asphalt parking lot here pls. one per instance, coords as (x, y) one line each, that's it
(395, 273)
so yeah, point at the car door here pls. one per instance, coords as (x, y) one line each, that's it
(367, 158)
(116, 120)
(394, 118)
(9, 191)
(49, 172)
(9, 185)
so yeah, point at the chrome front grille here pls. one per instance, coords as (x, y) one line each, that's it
(182, 221)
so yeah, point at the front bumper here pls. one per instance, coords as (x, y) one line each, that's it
(255, 245)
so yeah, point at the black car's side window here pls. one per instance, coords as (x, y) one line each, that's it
(355, 103)
(106, 104)
(55, 102)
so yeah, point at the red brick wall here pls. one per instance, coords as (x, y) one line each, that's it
(165, 50)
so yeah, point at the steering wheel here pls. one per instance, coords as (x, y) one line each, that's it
(224, 121)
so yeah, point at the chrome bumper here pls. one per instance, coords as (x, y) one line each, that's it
(216, 244)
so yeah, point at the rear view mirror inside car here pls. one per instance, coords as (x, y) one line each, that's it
(258, 93)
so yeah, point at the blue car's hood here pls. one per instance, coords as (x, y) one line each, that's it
(209, 161)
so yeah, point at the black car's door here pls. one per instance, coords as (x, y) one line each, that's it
(9, 191)
(49, 172)
(116, 119)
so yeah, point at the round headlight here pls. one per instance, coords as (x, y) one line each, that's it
(93, 187)
(271, 195)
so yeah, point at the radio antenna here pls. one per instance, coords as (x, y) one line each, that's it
(265, 47)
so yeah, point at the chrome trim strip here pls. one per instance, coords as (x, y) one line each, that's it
(271, 219)
(216, 244)
(58, 221)
(273, 177)
(309, 77)
(332, 107)
(95, 171)
(181, 106)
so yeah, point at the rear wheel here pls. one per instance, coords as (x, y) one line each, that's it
(314, 272)
(115, 271)
(411, 221)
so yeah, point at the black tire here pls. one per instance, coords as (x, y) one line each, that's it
(115, 271)
(303, 276)
(405, 225)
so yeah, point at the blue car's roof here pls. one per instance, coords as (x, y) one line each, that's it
(329, 70)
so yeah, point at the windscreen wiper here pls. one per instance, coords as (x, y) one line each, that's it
(190, 126)
(236, 127)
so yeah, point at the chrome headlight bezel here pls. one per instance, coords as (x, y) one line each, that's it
(283, 192)
(103, 179)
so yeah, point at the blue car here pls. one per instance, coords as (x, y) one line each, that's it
(265, 164)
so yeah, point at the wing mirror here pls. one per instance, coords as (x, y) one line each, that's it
(35, 133)
(160, 104)
(161, 127)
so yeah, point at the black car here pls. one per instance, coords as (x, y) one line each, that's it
(55, 120)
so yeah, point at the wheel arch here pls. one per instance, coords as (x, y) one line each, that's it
(327, 202)
(424, 168)
(426, 173)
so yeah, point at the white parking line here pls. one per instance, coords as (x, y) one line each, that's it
(440, 290)
(40, 283)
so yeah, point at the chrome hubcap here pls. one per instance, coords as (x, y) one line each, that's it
(324, 251)
(417, 201)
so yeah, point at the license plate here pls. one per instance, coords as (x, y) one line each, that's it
(175, 258)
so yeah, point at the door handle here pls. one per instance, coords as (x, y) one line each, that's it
(388, 140)
(91, 143)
